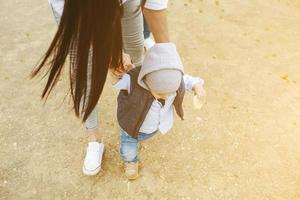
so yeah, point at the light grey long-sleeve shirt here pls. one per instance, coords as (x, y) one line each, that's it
(58, 5)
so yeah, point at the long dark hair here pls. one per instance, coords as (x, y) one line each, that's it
(90, 31)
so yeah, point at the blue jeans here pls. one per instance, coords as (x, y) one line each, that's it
(147, 30)
(129, 145)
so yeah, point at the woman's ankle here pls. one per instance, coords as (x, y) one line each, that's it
(94, 136)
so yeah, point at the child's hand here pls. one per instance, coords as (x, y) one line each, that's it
(199, 90)
(199, 94)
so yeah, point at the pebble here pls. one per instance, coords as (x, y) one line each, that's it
(199, 119)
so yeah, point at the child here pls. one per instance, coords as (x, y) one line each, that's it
(146, 99)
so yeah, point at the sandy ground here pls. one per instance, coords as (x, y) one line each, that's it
(243, 145)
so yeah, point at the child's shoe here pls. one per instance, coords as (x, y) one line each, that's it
(131, 170)
(93, 158)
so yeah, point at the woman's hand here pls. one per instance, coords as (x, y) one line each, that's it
(117, 73)
(127, 62)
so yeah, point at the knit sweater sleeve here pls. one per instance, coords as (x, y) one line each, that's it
(58, 5)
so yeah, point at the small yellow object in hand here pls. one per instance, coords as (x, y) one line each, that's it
(197, 102)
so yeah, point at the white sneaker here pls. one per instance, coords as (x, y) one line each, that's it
(148, 43)
(93, 158)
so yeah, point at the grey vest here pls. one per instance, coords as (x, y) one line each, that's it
(133, 107)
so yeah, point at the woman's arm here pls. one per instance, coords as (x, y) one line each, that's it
(156, 15)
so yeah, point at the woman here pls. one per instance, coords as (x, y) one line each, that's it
(97, 34)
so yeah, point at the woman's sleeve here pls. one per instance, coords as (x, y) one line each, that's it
(156, 4)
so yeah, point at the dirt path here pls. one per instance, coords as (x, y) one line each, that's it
(243, 145)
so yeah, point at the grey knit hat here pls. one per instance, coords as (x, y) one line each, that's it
(162, 69)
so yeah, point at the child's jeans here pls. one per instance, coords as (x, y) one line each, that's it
(129, 145)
